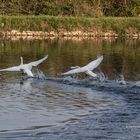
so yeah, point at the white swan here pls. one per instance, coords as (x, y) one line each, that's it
(87, 69)
(26, 68)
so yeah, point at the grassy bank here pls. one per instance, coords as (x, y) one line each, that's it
(119, 25)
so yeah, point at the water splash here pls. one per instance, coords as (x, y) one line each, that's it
(137, 84)
(120, 79)
(101, 76)
(39, 74)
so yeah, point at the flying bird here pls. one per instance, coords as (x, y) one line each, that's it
(25, 68)
(86, 69)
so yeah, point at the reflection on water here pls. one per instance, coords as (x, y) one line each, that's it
(120, 56)
(52, 107)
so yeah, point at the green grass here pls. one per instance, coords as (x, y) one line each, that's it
(120, 25)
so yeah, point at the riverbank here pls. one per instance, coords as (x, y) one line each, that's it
(51, 26)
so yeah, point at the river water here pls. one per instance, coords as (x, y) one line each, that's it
(70, 108)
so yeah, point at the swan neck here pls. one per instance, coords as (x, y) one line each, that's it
(21, 58)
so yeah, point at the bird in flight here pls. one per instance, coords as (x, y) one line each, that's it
(25, 68)
(86, 69)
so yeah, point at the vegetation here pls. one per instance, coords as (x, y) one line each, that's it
(119, 25)
(91, 8)
(64, 15)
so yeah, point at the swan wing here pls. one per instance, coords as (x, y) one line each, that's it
(94, 64)
(74, 67)
(16, 68)
(73, 71)
(35, 63)
(28, 72)
(90, 73)
(90, 66)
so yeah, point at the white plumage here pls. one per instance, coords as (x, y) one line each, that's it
(87, 69)
(26, 68)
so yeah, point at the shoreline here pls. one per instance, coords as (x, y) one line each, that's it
(64, 34)
(58, 26)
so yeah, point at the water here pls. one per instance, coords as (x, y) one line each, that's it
(55, 107)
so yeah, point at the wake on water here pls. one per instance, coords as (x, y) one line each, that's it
(103, 83)
(33, 85)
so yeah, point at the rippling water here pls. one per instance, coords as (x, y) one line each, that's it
(55, 107)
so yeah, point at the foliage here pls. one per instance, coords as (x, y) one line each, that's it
(120, 25)
(91, 8)
(121, 7)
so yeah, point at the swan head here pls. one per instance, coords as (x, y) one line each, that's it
(21, 60)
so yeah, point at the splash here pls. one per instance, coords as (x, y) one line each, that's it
(38, 74)
(120, 79)
(101, 83)
(137, 84)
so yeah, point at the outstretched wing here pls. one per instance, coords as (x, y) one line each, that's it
(35, 63)
(17, 68)
(87, 69)
(94, 64)
(74, 71)
(74, 67)
(90, 73)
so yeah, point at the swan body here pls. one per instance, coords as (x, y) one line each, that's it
(26, 68)
(87, 69)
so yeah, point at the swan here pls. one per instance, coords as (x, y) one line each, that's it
(87, 68)
(25, 68)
